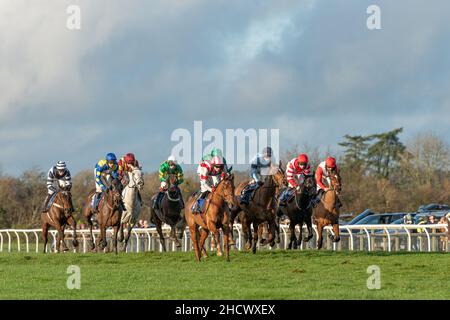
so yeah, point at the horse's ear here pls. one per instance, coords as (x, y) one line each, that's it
(230, 168)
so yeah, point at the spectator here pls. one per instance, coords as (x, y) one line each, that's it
(140, 224)
(407, 219)
(146, 224)
(442, 221)
(432, 219)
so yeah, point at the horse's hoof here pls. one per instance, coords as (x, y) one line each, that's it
(248, 246)
(231, 242)
(219, 254)
(272, 244)
(75, 243)
(278, 240)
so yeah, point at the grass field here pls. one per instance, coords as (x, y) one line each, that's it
(266, 275)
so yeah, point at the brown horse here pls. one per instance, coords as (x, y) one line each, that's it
(169, 212)
(214, 216)
(299, 210)
(327, 212)
(109, 214)
(260, 209)
(58, 216)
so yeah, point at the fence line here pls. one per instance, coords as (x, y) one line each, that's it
(353, 238)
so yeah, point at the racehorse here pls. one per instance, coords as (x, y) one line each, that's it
(58, 216)
(214, 216)
(169, 212)
(109, 214)
(260, 209)
(299, 210)
(327, 211)
(131, 199)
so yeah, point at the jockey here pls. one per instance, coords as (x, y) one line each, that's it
(168, 167)
(126, 164)
(294, 169)
(260, 164)
(324, 169)
(216, 152)
(210, 173)
(104, 170)
(57, 175)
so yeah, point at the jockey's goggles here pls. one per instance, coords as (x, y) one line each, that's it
(302, 164)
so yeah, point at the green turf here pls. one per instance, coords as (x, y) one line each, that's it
(266, 275)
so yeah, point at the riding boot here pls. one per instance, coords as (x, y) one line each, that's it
(338, 203)
(245, 196)
(98, 196)
(139, 198)
(283, 197)
(47, 199)
(122, 205)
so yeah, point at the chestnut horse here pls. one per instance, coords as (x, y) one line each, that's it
(109, 214)
(260, 209)
(58, 216)
(327, 212)
(299, 210)
(169, 212)
(215, 215)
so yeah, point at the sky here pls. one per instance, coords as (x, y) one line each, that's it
(138, 69)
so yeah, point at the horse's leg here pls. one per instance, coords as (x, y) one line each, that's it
(233, 215)
(336, 237)
(73, 223)
(255, 235)
(215, 232)
(45, 234)
(226, 239)
(116, 231)
(203, 235)
(300, 236)
(63, 241)
(310, 231)
(246, 233)
(120, 237)
(193, 231)
(277, 230)
(89, 222)
(158, 224)
(262, 240)
(272, 232)
(293, 239)
(319, 234)
(173, 230)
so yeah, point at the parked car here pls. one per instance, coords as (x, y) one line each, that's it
(360, 216)
(433, 207)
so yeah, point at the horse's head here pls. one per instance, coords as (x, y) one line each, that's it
(64, 198)
(136, 178)
(278, 175)
(308, 184)
(115, 192)
(226, 190)
(335, 182)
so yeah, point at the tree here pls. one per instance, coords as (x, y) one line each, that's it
(384, 154)
(355, 153)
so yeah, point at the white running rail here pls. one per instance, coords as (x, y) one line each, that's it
(385, 237)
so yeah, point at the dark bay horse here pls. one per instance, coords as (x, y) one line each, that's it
(261, 209)
(109, 214)
(58, 216)
(299, 210)
(327, 211)
(215, 216)
(169, 212)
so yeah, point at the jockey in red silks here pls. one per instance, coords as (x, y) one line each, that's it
(294, 169)
(323, 172)
(210, 173)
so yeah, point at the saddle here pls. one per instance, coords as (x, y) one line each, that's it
(199, 204)
(50, 201)
(99, 201)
